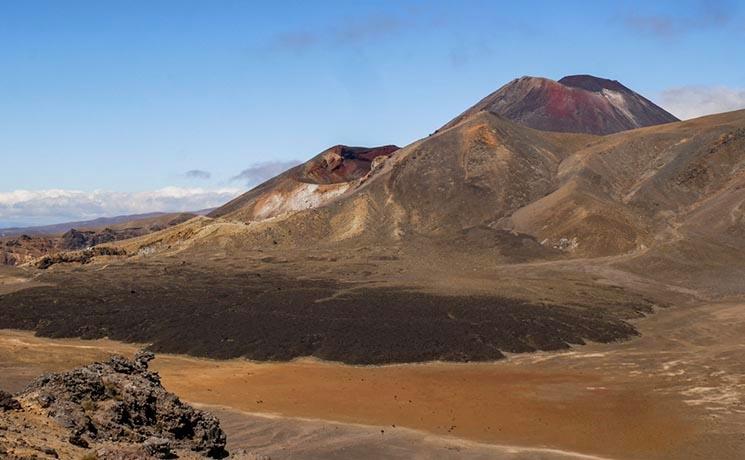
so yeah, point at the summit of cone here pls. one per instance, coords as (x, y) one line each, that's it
(575, 104)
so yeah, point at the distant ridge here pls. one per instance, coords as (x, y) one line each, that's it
(54, 229)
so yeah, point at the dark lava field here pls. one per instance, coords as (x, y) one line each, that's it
(270, 316)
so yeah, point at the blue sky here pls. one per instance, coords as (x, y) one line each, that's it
(127, 97)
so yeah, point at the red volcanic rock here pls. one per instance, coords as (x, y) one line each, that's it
(309, 185)
(341, 163)
(577, 103)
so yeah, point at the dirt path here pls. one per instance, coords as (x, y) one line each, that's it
(292, 438)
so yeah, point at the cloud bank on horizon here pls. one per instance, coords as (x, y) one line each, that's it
(21, 208)
(688, 102)
(25, 208)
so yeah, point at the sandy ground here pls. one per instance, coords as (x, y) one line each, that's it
(676, 392)
(298, 438)
(12, 279)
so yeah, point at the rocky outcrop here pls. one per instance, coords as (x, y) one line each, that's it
(7, 258)
(75, 239)
(115, 409)
(19, 249)
(342, 163)
(81, 257)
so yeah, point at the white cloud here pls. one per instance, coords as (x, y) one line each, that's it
(259, 172)
(687, 102)
(38, 207)
(701, 15)
(197, 174)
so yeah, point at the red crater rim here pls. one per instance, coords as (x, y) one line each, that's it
(575, 104)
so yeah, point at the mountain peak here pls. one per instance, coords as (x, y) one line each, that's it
(592, 83)
(575, 103)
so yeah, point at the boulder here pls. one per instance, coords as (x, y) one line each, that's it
(7, 402)
(121, 400)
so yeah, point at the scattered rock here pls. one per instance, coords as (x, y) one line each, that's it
(159, 448)
(143, 358)
(7, 402)
(49, 451)
(566, 244)
(78, 441)
(45, 400)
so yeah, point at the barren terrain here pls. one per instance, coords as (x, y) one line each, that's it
(673, 393)
(269, 314)
(513, 292)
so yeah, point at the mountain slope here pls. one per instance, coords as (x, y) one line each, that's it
(488, 236)
(492, 155)
(587, 196)
(581, 195)
(577, 103)
(309, 185)
(535, 194)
